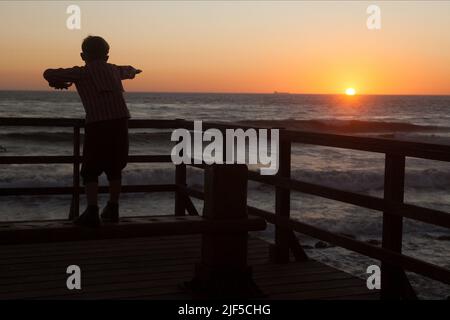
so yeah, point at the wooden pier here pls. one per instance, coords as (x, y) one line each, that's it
(153, 268)
(149, 257)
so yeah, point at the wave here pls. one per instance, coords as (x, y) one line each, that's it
(354, 180)
(38, 136)
(382, 129)
(65, 136)
(60, 175)
(347, 126)
(367, 180)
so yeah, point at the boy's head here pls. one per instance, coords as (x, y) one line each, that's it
(94, 48)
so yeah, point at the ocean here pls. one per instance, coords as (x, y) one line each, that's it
(416, 118)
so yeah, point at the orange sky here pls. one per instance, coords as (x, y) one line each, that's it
(299, 47)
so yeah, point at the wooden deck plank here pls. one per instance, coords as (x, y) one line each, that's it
(182, 251)
(101, 277)
(152, 268)
(8, 252)
(129, 227)
(163, 249)
(270, 285)
(54, 280)
(156, 259)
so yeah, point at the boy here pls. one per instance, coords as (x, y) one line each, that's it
(105, 147)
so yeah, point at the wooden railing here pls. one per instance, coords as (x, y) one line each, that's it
(395, 283)
(75, 190)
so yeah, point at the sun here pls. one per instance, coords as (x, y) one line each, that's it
(350, 92)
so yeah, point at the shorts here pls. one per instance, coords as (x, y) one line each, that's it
(105, 149)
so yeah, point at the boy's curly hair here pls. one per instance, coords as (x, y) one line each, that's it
(95, 47)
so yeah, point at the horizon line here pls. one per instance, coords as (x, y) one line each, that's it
(242, 92)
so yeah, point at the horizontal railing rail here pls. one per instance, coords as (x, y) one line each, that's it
(409, 263)
(71, 159)
(422, 214)
(39, 191)
(423, 150)
(379, 145)
(75, 122)
(412, 264)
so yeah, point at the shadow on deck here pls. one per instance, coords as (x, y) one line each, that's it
(152, 268)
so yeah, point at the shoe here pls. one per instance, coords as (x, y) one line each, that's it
(89, 218)
(110, 213)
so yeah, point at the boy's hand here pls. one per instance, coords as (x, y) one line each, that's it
(135, 72)
(60, 85)
(128, 72)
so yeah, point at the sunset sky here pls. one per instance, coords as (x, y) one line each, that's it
(298, 47)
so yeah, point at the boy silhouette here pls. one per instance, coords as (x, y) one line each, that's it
(105, 147)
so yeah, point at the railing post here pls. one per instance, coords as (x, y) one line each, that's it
(223, 269)
(75, 204)
(180, 181)
(393, 277)
(280, 250)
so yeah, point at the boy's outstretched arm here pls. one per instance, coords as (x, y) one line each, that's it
(128, 72)
(62, 78)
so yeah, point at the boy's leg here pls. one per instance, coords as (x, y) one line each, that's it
(90, 216)
(117, 161)
(111, 212)
(90, 171)
(91, 193)
(118, 158)
(114, 190)
(91, 168)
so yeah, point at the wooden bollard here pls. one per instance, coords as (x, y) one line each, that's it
(223, 270)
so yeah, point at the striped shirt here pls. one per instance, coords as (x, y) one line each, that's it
(99, 85)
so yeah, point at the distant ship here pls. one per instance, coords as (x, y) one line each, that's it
(281, 93)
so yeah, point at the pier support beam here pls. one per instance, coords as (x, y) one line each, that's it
(394, 281)
(75, 203)
(279, 252)
(180, 197)
(223, 270)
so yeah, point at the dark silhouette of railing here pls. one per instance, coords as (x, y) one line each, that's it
(395, 283)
